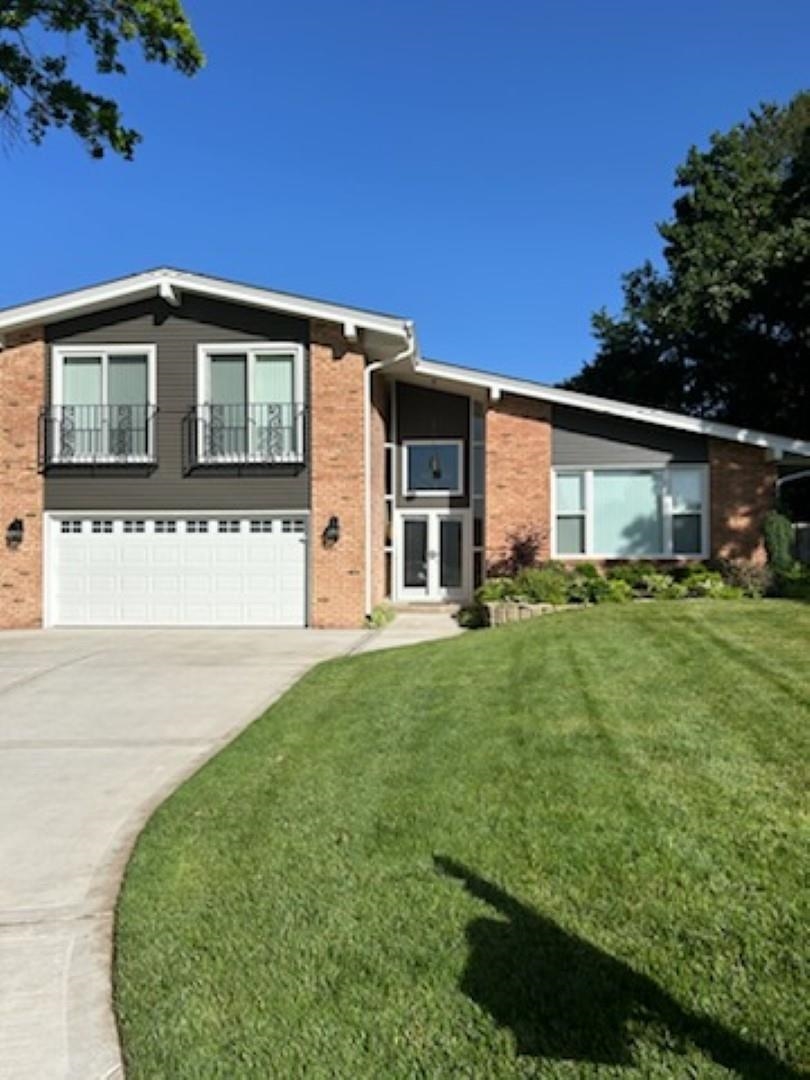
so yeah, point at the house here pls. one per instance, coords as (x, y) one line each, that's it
(181, 450)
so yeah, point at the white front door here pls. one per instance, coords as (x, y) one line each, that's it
(432, 563)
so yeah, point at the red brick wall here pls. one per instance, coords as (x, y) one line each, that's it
(741, 490)
(518, 476)
(336, 441)
(22, 393)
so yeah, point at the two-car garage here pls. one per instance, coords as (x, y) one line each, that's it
(169, 570)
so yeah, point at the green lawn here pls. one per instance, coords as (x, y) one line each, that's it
(567, 848)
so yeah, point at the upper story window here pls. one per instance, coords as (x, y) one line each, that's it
(103, 404)
(250, 402)
(433, 467)
(609, 513)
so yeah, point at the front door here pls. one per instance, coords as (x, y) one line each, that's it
(433, 550)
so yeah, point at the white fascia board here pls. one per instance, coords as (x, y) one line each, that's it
(166, 282)
(498, 384)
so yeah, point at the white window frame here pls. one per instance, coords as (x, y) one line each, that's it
(666, 471)
(430, 492)
(251, 349)
(59, 353)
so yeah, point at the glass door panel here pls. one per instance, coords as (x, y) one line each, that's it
(82, 428)
(127, 397)
(415, 553)
(273, 405)
(228, 428)
(451, 553)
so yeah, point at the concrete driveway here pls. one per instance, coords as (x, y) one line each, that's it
(96, 728)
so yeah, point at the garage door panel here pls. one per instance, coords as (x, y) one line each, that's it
(177, 572)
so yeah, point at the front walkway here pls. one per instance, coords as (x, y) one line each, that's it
(97, 727)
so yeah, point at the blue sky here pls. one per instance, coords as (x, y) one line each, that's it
(487, 169)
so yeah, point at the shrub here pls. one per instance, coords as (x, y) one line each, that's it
(752, 579)
(522, 550)
(655, 584)
(381, 616)
(472, 617)
(699, 580)
(616, 591)
(588, 570)
(794, 584)
(495, 589)
(633, 573)
(676, 591)
(778, 532)
(547, 584)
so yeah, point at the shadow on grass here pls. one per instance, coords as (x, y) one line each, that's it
(565, 999)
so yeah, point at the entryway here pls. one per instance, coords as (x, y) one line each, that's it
(432, 556)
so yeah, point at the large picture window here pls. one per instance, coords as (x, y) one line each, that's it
(609, 513)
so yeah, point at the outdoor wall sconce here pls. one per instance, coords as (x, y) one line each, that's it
(331, 534)
(14, 533)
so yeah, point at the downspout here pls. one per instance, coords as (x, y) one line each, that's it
(378, 365)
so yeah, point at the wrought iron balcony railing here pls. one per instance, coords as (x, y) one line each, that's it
(248, 434)
(97, 434)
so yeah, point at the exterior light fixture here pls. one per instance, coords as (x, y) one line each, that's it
(14, 533)
(331, 534)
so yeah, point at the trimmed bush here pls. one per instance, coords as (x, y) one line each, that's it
(794, 584)
(547, 584)
(496, 588)
(778, 532)
(617, 591)
(631, 572)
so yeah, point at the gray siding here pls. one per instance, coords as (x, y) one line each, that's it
(585, 438)
(176, 332)
(423, 413)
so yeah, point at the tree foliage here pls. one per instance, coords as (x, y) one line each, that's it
(37, 90)
(724, 330)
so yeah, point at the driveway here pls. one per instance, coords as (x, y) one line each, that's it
(96, 728)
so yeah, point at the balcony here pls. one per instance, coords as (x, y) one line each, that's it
(247, 434)
(97, 435)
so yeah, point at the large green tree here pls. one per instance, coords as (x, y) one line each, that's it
(37, 90)
(723, 331)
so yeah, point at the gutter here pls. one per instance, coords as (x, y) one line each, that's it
(408, 353)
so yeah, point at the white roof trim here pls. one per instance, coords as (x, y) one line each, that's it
(168, 282)
(498, 384)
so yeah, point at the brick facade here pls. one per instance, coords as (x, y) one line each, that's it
(518, 477)
(741, 491)
(336, 445)
(22, 392)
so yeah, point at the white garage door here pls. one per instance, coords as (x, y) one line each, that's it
(173, 571)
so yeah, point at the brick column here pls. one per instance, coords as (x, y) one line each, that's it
(336, 455)
(22, 394)
(518, 477)
(741, 490)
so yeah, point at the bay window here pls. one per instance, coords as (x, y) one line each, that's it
(618, 513)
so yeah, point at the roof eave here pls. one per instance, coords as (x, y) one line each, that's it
(495, 384)
(168, 283)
